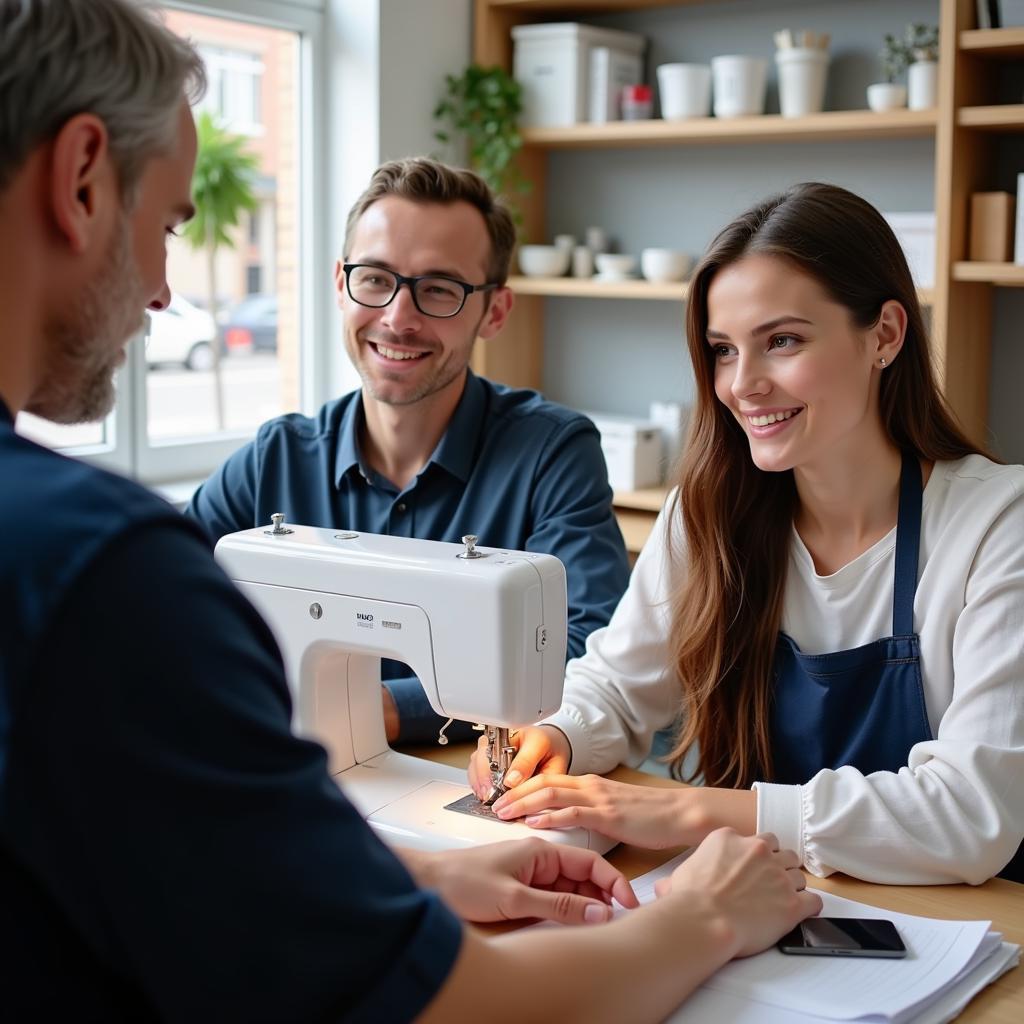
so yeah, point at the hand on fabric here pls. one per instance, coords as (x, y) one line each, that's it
(541, 748)
(757, 890)
(525, 878)
(641, 815)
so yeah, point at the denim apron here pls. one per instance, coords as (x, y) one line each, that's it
(862, 707)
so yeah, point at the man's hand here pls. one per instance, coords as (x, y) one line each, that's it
(540, 748)
(754, 890)
(524, 878)
(390, 715)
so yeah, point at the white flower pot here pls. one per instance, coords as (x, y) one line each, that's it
(887, 96)
(922, 85)
(802, 74)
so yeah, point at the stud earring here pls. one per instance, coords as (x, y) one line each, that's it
(881, 362)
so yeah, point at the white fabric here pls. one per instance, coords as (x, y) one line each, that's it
(955, 813)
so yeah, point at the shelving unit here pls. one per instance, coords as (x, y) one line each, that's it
(965, 125)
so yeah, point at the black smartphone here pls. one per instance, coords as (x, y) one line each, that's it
(844, 936)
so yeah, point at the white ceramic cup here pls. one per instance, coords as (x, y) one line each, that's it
(565, 242)
(684, 90)
(664, 264)
(739, 85)
(582, 262)
(803, 72)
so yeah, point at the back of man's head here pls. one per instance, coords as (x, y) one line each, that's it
(111, 58)
(422, 180)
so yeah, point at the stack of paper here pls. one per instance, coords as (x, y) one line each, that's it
(948, 963)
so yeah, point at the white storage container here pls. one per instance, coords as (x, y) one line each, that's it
(552, 64)
(632, 451)
(916, 234)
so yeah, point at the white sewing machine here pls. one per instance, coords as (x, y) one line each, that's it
(483, 629)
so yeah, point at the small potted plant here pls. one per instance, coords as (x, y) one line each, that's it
(482, 105)
(922, 45)
(889, 95)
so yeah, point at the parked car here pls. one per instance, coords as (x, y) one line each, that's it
(182, 335)
(251, 325)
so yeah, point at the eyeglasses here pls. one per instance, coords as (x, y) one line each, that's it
(433, 295)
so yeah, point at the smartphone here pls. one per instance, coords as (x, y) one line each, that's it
(844, 936)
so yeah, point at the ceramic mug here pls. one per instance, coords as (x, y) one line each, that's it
(739, 85)
(684, 90)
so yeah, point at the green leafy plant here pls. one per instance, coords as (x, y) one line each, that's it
(222, 189)
(894, 57)
(483, 106)
(919, 42)
(922, 41)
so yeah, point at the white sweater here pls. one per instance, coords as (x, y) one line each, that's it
(955, 813)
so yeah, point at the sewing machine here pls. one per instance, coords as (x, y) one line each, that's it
(483, 629)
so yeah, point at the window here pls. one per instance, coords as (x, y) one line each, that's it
(216, 364)
(235, 93)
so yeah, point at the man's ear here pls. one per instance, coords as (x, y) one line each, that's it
(497, 312)
(82, 179)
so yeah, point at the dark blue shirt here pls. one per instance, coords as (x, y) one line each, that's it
(168, 849)
(513, 468)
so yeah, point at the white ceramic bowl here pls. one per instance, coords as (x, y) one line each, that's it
(664, 264)
(614, 264)
(544, 260)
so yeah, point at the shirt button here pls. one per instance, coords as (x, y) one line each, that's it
(400, 506)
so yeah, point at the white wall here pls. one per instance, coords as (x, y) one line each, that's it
(387, 66)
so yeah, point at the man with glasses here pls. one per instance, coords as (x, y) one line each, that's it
(426, 448)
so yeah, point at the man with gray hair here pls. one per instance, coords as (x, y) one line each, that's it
(168, 849)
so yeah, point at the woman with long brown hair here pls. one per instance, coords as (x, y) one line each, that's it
(832, 603)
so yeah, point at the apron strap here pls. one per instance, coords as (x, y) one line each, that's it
(908, 544)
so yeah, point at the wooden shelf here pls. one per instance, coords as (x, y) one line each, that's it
(828, 127)
(1009, 275)
(553, 6)
(650, 499)
(588, 288)
(1003, 117)
(993, 42)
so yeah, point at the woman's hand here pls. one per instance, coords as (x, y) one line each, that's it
(641, 815)
(523, 878)
(543, 748)
(755, 890)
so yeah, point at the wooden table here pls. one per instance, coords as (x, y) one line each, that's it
(999, 901)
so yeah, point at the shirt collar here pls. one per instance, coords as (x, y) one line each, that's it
(5, 413)
(454, 452)
(457, 448)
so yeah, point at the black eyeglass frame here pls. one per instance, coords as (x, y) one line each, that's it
(400, 279)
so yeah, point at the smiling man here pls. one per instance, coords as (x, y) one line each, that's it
(425, 448)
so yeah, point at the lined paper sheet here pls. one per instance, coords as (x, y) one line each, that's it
(948, 962)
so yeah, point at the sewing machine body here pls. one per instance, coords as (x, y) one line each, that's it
(485, 635)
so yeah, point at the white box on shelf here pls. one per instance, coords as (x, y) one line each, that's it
(916, 234)
(632, 451)
(610, 71)
(1018, 238)
(552, 64)
(1011, 13)
(672, 419)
